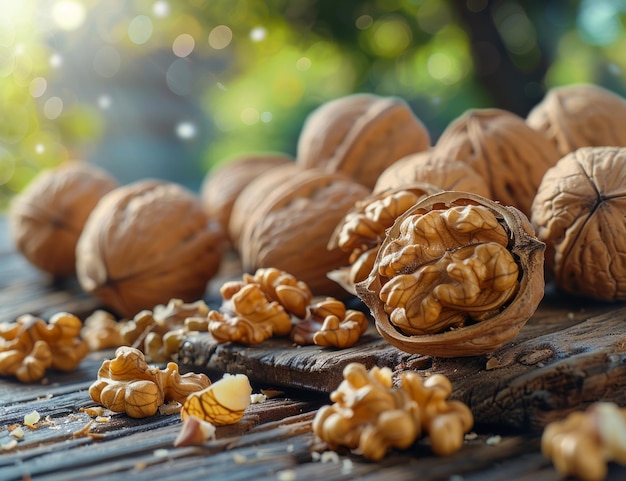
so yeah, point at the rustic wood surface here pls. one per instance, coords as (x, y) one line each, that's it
(569, 355)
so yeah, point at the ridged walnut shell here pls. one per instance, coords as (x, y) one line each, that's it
(47, 217)
(497, 324)
(146, 243)
(577, 116)
(430, 168)
(223, 184)
(506, 152)
(291, 228)
(579, 213)
(360, 135)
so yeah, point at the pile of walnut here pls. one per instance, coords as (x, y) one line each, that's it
(373, 416)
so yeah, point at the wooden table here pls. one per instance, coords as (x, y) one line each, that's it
(274, 440)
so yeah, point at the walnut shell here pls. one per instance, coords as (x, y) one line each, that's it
(223, 184)
(360, 135)
(47, 218)
(471, 333)
(506, 152)
(146, 243)
(576, 116)
(254, 194)
(579, 213)
(430, 168)
(291, 228)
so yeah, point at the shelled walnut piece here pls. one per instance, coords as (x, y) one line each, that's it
(583, 443)
(329, 323)
(127, 384)
(29, 346)
(370, 414)
(457, 275)
(363, 229)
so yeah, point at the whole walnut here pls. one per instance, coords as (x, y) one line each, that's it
(222, 184)
(291, 228)
(360, 135)
(581, 115)
(506, 152)
(47, 217)
(253, 194)
(579, 213)
(146, 243)
(429, 167)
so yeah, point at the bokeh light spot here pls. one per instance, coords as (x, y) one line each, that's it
(161, 9)
(104, 102)
(250, 116)
(303, 63)
(140, 29)
(266, 117)
(363, 22)
(7, 166)
(257, 34)
(53, 108)
(40, 148)
(68, 14)
(183, 45)
(56, 60)
(179, 77)
(220, 37)
(7, 61)
(107, 61)
(390, 36)
(38, 87)
(186, 130)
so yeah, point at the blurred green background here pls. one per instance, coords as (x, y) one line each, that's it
(168, 89)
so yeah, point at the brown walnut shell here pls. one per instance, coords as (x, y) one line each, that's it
(223, 184)
(579, 213)
(47, 218)
(428, 167)
(496, 324)
(506, 152)
(360, 135)
(290, 229)
(575, 116)
(146, 243)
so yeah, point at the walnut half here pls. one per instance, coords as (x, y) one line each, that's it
(457, 275)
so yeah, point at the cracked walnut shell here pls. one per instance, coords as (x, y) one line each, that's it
(579, 213)
(457, 275)
(146, 243)
(46, 219)
(360, 135)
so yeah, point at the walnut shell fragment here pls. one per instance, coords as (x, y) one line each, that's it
(127, 384)
(223, 184)
(504, 150)
(46, 219)
(579, 213)
(29, 346)
(574, 116)
(457, 275)
(360, 135)
(583, 443)
(290, 229)
(146, 243)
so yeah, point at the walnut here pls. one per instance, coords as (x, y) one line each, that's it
(457, 275)
(223, 402)
(223, 184)
(29, 346)
(360, 135)
(430, 168)
(583, 443)
(253, 194)
(329, 323)
(280, 286)
(363, 229)
(46, 219)
(146, 243)
(575, 116)
(247, 316)
(102, 330)
(579, 213)
(506, 152)
(291, 228)
(370, 414)
(127, 384)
